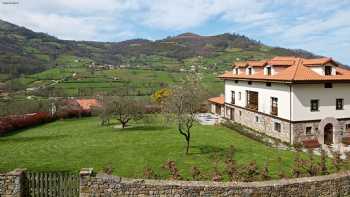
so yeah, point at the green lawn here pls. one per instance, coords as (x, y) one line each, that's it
(75, 144)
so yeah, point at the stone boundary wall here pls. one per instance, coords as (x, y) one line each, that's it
(11, 184)
(105, 185)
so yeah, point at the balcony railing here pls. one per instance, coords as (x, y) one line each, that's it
(252, 106)
(274, 111)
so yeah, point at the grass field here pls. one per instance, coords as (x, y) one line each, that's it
(140, 82)
(75, 144)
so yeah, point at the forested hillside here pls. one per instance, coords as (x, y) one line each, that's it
(23, 51)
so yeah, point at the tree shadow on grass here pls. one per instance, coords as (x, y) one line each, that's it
(209, 150)
(32, 138)
(143, 128)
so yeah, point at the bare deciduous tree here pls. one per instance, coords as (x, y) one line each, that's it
(182, 105)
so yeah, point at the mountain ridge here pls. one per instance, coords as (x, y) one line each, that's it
(23, 51)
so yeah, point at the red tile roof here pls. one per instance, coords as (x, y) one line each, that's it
(86, 104)
(219, 100)
(257, 63)
(291, 69)
(319, 61)
(241, 64)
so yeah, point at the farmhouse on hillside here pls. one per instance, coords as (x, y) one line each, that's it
(293, 99)
(88, 104)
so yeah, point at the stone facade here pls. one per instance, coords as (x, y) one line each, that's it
(260, 122)
(11, 184)
(339, 130)
(104, 185)
(291, 132)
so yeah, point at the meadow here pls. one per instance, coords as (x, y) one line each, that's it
(78, 143)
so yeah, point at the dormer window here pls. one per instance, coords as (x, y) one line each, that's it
(328, 70)
(268, 70)
(236, 71)
(250, 71)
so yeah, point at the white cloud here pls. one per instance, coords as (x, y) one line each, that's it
(69, 19)
(321, 26)
(182, 14)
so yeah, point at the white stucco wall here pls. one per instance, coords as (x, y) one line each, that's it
(303, 93)
(281, 91)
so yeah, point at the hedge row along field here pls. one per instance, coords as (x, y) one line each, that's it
(15, 122)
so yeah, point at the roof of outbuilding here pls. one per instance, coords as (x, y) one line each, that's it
(219, 100)
(88, 103)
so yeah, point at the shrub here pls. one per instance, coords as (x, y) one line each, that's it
(264, 174)
(323, 163)
(173, 171)
(217, 176)
(250, 172)
(196, 173)
(108, 169)
(12, 123)
(149, 173)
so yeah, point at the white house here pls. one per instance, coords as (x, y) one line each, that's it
(293, 99)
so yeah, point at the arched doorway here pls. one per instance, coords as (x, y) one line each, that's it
(328, 134)
(329, 128)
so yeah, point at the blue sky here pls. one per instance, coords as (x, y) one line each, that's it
(320, 26)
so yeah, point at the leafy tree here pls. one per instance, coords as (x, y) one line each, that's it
(161, 95)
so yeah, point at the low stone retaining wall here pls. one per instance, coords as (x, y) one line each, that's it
(11, 184)
(104, 185)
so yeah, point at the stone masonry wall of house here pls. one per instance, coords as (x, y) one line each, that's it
(261, 123)
(105, 185)
(300, 128)
(11, 184)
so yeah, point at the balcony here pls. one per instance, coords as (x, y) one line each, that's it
(252, 100)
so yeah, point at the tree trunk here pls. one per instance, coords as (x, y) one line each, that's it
(124, 124)
(188, 146)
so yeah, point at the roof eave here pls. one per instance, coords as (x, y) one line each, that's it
(260, 80)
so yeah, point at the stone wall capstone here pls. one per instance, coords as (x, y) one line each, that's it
(11, 183)
(106, 185)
